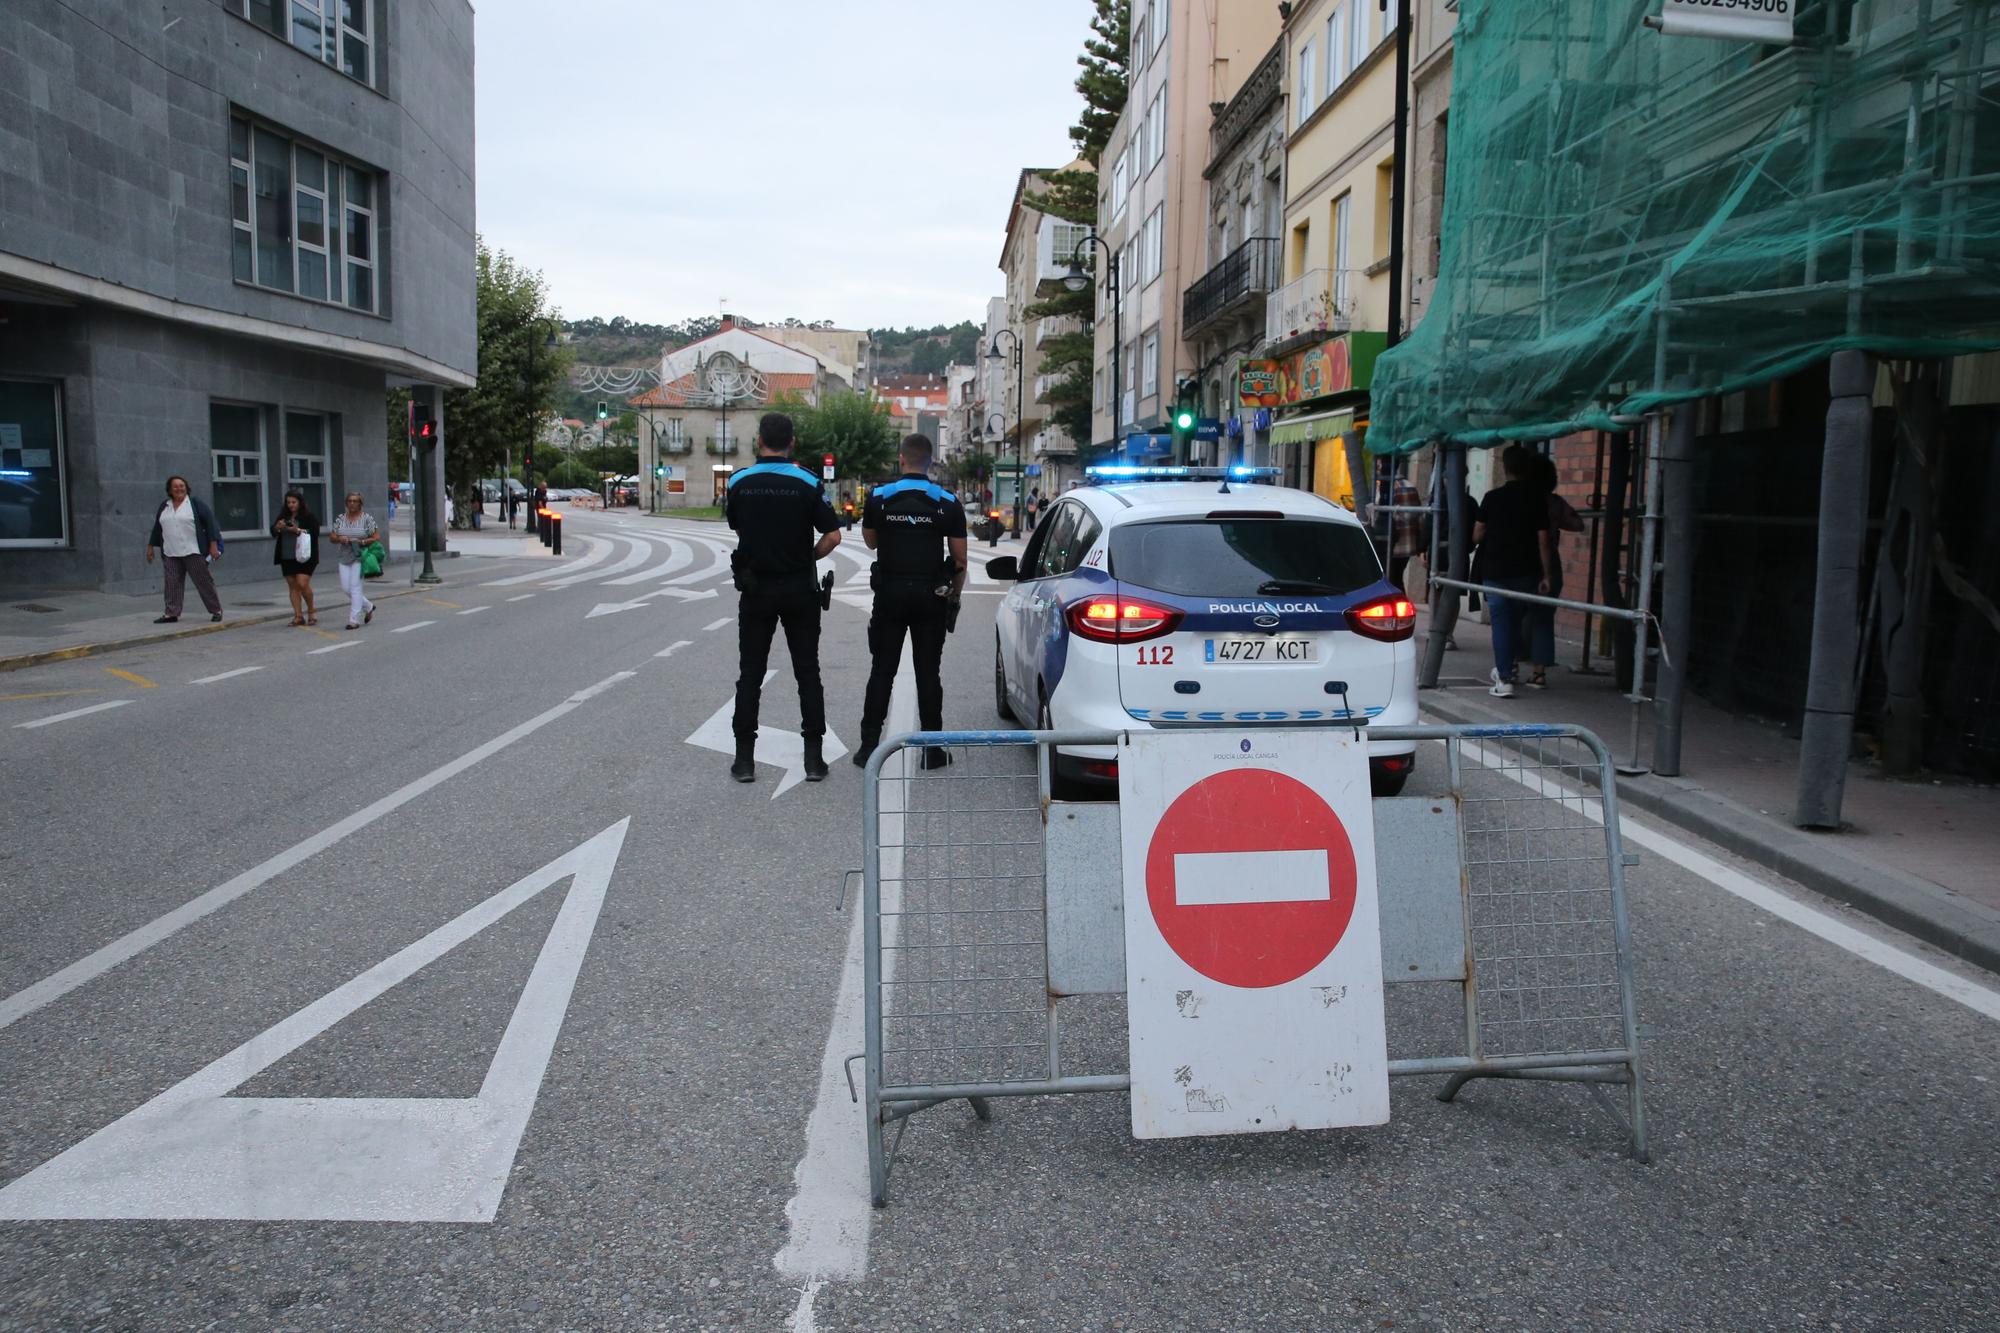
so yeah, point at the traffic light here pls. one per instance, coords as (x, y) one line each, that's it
(423, 427)
(527, 462)
(1187, 401)
(603, 411)
(659, 470)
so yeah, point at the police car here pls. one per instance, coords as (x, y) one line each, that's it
(1157, 597)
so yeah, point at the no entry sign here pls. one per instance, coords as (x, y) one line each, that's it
(1253, 953)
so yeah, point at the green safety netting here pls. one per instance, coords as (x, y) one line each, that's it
(1632, 219)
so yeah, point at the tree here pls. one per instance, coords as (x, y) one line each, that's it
(1072, 196)
(855, 428)
(520, 377)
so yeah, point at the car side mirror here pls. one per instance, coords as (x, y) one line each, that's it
(1006, 569)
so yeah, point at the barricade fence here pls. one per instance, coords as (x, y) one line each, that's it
(987, 905)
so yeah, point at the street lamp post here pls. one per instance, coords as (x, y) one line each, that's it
(1020, 414)
(1077, 280)
(528, 383)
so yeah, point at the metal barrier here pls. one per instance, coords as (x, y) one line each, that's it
(986, 904)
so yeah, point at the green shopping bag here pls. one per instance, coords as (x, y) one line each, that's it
(371, 560)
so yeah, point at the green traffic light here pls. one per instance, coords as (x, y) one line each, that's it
(1185, 420)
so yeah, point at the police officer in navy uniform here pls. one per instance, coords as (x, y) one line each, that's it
(784, 525)
(917, 530)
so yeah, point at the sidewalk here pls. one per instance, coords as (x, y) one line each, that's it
(40, 626)
(1918, 854)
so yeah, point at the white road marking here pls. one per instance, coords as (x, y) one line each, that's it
(781, 749)
(522, 598)
(405, 629)
(684, 595)
(642, 551)
(598, 551)
(680, 555)
(675, 647)
(716, 624)
(613, 608)
(196, 1152)
(334, 647)
(229, 675)
(1982, 1000)
(829, 1213)
(64, 717)
(24, 1002)
(474, 610)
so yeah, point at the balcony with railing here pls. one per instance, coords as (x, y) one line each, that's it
(1243, 278)
(1056, 327)
(1045, 384)
(676, 444)
(1052, 442)
(725, 447)
(1317, 303)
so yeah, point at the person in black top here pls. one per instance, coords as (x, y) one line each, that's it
(1514, 553)
(917, 530)
(776, 507)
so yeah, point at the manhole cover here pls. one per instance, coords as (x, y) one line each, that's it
(35, 606)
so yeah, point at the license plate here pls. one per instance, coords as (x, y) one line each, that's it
(1278, 652)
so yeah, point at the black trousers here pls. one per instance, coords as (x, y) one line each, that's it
(905, 606)
(795, 605)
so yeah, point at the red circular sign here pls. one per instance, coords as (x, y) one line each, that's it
(1247, 942)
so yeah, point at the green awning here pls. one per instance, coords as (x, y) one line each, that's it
(1318, 426)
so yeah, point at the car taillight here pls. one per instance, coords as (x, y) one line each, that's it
(1389, 619)
(1121, 619)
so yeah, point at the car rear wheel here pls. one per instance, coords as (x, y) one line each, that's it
(1000, 704)
(1062, 787)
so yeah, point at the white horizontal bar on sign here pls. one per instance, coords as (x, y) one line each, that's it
(1227, 879)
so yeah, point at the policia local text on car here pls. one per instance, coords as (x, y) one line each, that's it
(917, 530)
(776, 509)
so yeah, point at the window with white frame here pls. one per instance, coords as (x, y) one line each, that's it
(1336, 43)
(1120, 182)
(1142, 46)
(1307, 53)
(1392, 18)
(236, 468)
(1151, 245)
(338, 32)
(1357, 40)
(1156, 127)
(1343, 211)
(302, 221)
(305, 459)
(1149, 364)
(1160, 24)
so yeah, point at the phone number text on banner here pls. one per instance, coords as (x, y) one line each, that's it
(1744, 20)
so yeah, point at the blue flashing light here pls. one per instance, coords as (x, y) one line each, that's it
(1136, 472)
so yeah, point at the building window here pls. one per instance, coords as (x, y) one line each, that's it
(236, 455)
(1142, 46)
(1149, 364)
(1160, 24)
(305, 459)
(1119, 183)
(1156, 128)
(1306, 54)
(1357, 42)
(1151, 245)
(1343, 209)
(1336, 45)
(337, 32)
(34, 501)
(301, 220)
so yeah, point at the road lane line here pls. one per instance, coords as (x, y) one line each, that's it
(226, 675)
(642, 552)
(675, 647)
(64, 717)
(714, 625)
(336, 647)
(680, 555)
(405, 629)
(596, 551)
(1980, 999)
(434, 601)
(522, 598)
(44, 694)
(474, 610)
(24, 1002)
(134, 677)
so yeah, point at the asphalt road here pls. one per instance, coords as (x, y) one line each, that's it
(215, 889)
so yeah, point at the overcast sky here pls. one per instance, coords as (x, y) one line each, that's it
(850, 160)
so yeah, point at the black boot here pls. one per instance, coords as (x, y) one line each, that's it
(815, 761)
(745, 767)
(866, 748)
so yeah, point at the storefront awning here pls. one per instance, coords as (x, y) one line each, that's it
(1316, 426)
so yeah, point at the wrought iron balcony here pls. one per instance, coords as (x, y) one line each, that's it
(722, 448)
(1249, 271)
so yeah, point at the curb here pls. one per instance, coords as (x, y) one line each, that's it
(22, 661)
(1930, 912)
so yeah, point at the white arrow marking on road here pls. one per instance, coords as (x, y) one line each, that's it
(673, 648)
(226, 675)
(781, 749)
(196, 1152)
(613, 608)
(713, 625)
(684, 595)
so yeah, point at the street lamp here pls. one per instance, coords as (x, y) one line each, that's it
(1076, 280)
(1020, 414)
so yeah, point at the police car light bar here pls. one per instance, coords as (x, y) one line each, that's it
(1130, 472)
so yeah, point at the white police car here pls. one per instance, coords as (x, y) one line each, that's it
(1181, 597)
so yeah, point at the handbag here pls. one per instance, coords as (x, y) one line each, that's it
(302, 549)
(371, 560)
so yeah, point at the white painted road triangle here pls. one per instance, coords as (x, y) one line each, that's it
(613, 608)
(781, 749)
(195, 1152)
(686, 595)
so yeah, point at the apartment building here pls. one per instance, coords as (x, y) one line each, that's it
(226, 227)
(1034, 259)
(1187, 61)
(1328, 322)
(844, 354)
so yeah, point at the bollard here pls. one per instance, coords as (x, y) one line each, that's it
(542, 525)
(555, 533)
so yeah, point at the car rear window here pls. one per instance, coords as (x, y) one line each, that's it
(1239, 557)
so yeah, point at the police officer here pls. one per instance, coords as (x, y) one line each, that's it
(917, 530)
(776, 507)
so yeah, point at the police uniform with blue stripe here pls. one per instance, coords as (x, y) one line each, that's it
(779, 514)
(910, 522)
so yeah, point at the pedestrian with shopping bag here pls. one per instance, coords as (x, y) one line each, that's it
(353, 532)
(297, 554)
(185, 535)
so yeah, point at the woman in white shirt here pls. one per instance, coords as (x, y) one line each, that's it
(185, 535)
(351, 530)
